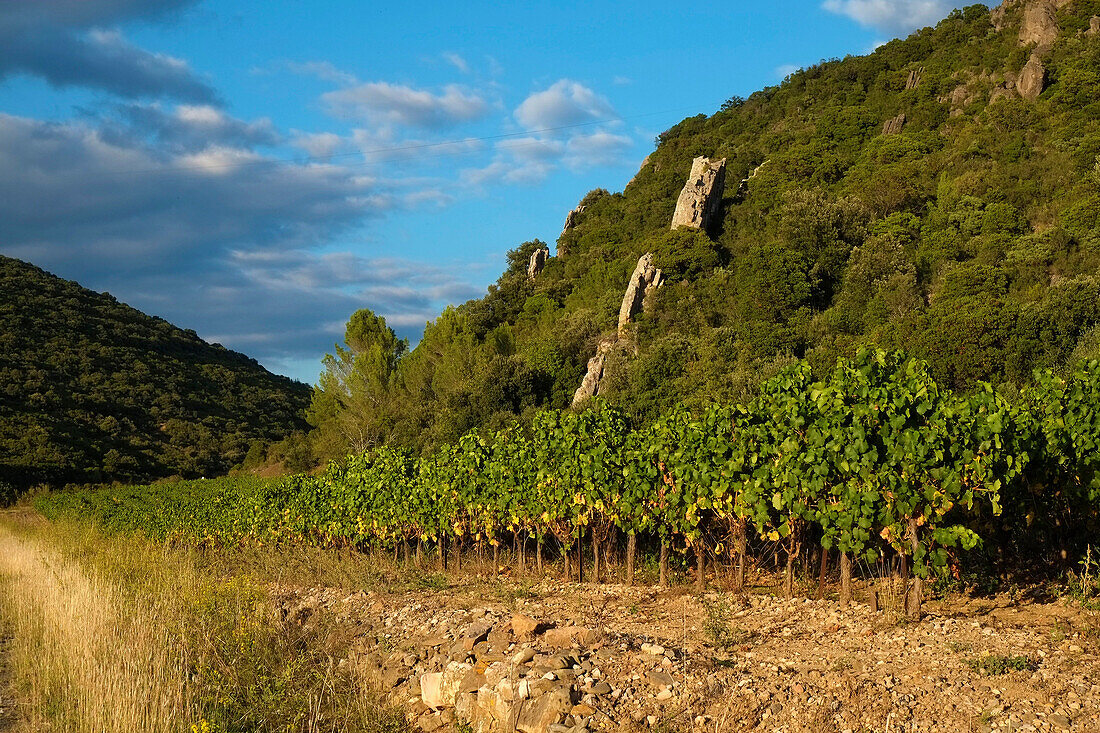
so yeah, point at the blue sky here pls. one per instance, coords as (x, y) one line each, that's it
(257, 171)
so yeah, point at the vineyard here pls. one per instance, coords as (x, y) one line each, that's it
(874, 462)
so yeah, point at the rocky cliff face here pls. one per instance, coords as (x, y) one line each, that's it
(702, 194)
(1040, 26)
(590, 384)
(914, 78)
(893, 125)
(573, 217)
(537, 262)
(645, 279)
(1032, 78)
(743, 186)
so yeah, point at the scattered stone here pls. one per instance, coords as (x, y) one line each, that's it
(429, 722)
(439, 689)
(601, 688)
(546, 710)
(524, 627)
(659, 678)
(570, 636)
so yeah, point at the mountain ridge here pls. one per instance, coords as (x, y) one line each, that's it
(92, 389)
(914, 198)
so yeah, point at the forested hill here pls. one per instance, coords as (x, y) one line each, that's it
(92, 389)
(940, 195)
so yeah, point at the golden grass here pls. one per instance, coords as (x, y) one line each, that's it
(83, 656)
(113, 632)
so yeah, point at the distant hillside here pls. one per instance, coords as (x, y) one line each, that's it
(940, 195)
(92, 389)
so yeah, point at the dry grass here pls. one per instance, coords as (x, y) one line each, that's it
(84, 658)
(116, 633)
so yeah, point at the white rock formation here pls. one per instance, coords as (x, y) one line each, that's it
(537, 262)
(590, 385)
(645, 279)
(702, 194)
(893, 125)
(1032, 78)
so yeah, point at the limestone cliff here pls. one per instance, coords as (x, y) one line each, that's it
(701, 197)
(893, 125)
(743, 186)
(573, 217)
(590, 385)
(1032, 78)
(645, 279)
(1039, 26)
(537, 262)
(914, 78)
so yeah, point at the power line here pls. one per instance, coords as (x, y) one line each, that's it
(306, 160)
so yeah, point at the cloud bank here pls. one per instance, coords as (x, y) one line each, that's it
(70, 43)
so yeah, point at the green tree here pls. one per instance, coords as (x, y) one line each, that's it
(351, 407)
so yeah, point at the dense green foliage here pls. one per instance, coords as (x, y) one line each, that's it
(876, 459)
(93, 390)
(969, 240)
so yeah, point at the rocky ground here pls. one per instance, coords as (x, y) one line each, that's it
(559, 657)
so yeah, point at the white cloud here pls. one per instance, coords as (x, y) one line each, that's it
(320, 144)
(385, 103)
(323, 70)
(564, 103)
(457, 61)
(892, 16)
(599, 148)
(784, 70)
(529, 160)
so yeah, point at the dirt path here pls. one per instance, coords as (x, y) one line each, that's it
(635, 657)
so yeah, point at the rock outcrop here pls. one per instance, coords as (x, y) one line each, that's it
(590, 384)
(644, 280)
(537, 262)
(893, 125)
(573, 217)
(1094, 26)
(702, 194)
(914, 78)
(1040, 25)
(1032, 78)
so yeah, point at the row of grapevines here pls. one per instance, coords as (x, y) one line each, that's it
(875, 458)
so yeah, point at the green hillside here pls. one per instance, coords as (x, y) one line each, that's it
(92, 389)
(969, 239)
